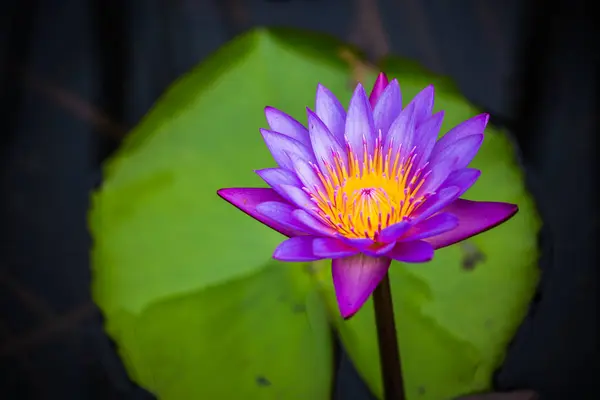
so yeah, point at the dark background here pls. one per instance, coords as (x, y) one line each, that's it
(76, 74)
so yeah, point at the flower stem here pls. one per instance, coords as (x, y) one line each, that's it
(391, 370)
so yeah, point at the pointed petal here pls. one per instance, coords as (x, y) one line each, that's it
(281, 146)
(378, 87)
(462, 178)
(313, 224)
(329, 109)
(436, 203)
(297, 197)
(358, 243)
(388, 108)
(474, 217)
(296, 249)
(379, 249)
(282, 213)
(355, 278)
(401, 135)
(308, 176)
(325, 147)
(417, 251)
(423, 103)
(393, 232)
(247, 199)
(473, 126)
(360, 129)
(432, 226)
(275, 177)
(425, 138)
(278, 176)
(332, 248)
(462, 151)
(282, 123)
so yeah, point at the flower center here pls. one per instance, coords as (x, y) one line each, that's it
(363, 197)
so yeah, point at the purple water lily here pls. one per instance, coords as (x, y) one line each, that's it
(368, 186)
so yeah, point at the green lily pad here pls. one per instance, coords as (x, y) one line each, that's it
(455, 315)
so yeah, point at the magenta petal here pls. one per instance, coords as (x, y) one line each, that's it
(331, 112)
(462, 178)
(461, 151)
(393, 232)
(423, 103)
(332, 248)
(275, 177)
(324, 144)
(296, 249)
(355, 278)
(436, 203)
(247, 199)
(358, 243)
(360, 128)
(401, 135)
(307, 174)
(282, 213)
(432, 226)
(314, 225)
(282, 123)
(282, 146)
(473, 217)
(425, 138)
(380, 84)
(379, 251)
(388, 108)
(417, 251)
(297, 196)
(473, 126)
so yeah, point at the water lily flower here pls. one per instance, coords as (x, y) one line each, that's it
(368, 186)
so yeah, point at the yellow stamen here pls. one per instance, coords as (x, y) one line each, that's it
(364, 197)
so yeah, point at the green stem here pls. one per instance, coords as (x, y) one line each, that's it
(391, 370)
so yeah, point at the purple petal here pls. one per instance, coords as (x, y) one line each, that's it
(423, 103)
(473, 126)
(380, 250)
(393, 232)
(275, 177)
(358, 243)
(282, 213)
(355, 278)
(282, 123)
(435, 203)
(462, 151)
(296, 249)
(278, 176)
(360, 128)
(432, 226)
(436, 175)
(418, 251)
(297, 196)
(388, 108)
(401, 135)
(331, 112)
(425, 138)
(281, 147)
(307, 175)
(380, 84)
(332, 248)
(246, 199)
(324, 144)
(313, 224)
(462, 178)
(474, 217)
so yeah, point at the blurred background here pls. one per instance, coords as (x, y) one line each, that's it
(78, 74)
